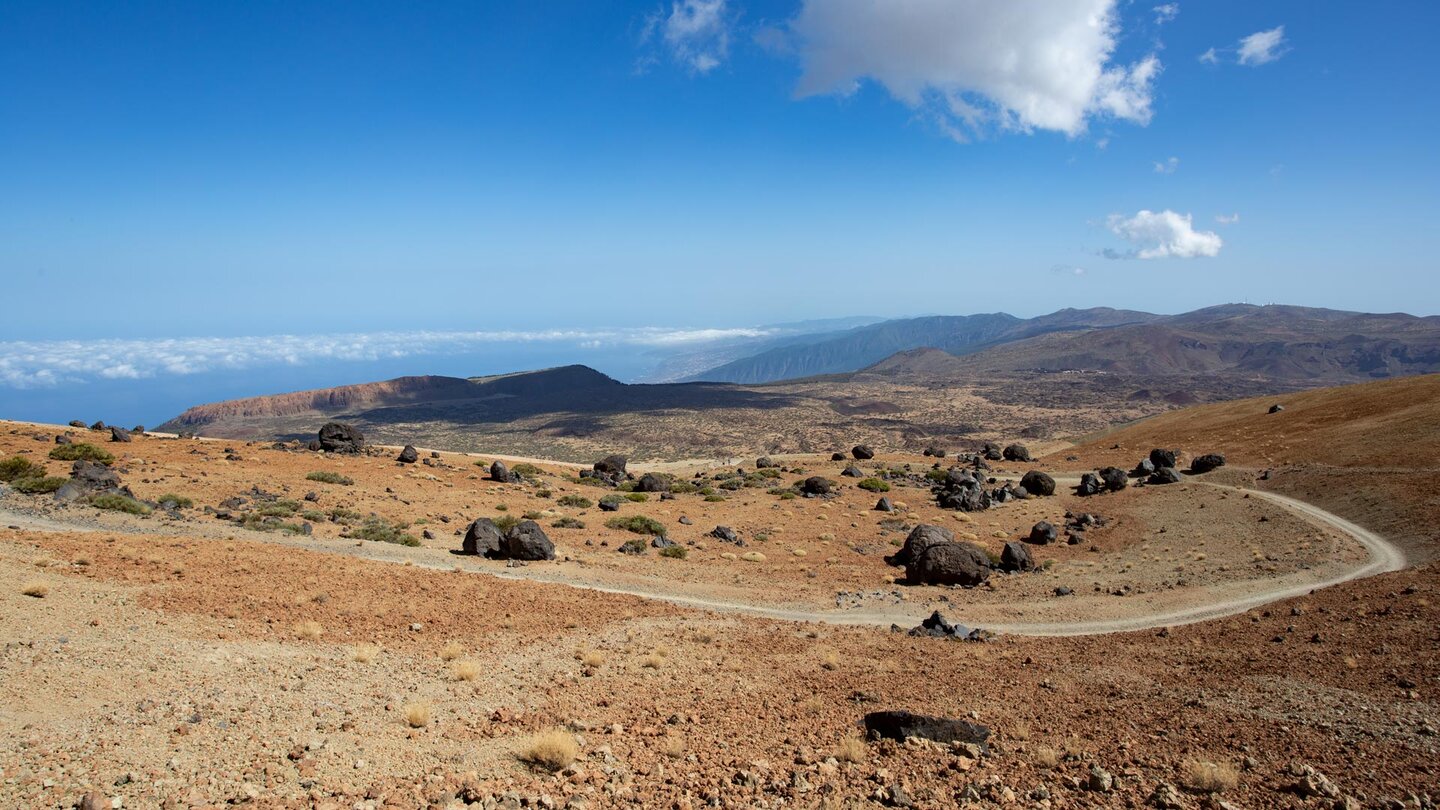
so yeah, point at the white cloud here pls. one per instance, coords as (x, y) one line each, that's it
(1161, 235)
(1167, 12)
(1210, 57)
(40, 364)
(1167, 166)
(1262, 46)
(1226, 219)
(696, 32)
(971, 65)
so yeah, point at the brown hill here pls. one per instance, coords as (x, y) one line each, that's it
(1369, 452)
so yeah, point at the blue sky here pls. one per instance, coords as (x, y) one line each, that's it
(228, 169)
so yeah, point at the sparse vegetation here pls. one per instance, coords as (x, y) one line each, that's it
(1044, 756)
(35, 589)
(714, 498)
(632, 547)
(552, 750)
(379, 530)
(1209, 777)
(310, 630)
(467, 670)
(575, 501)
(330, 477)
(568, 523)
(38, 486)
(172, 501)
(637, 497)
(638, 524)
(451, 651)
(81, 451)
(526, 469)
(851, 749)
(675, 552)
(611, 500)
(506, 522)
(19, 468)
(364, 653)
(416, 713)
(116, 502)
(594, 659)
(874, 485)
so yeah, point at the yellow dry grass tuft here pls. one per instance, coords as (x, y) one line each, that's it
(830, 660)
(467, 670)
(1043, 756)
(852, 749)
(416, 713)
(451, 651)
(1209, 777)
(593, 659)
(310, 630)
(364, 653)
(552, 750)
(35, 588)
(673, 747)
(652, 661)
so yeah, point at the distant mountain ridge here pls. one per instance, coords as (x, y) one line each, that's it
(956, 334)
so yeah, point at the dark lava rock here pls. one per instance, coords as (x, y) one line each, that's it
(76, 423)
(862, 452)
(1042, 534)
(612, 466)
(1016, 557)
(484, 538)
(119, 434)
(527, 541)
(1114, 478)
(815, 486)
(884, 505)
(936, 626)
(336, 437)
(1038, 483)
(610, 504)
(725, 534)
(1206, 463)
(661, 541)
(765, 462)
(1162, 458)
(1144, 468)
(1016, 452)
(991, 452)
(499, 472)
(62, 438)
(852, 472)
(897, 725)
(89, 478)
(921, 537)
(409, 455)
(1164, 475)
(1273, 409)
(1090, 484)
(837, 456)
(650, 482)
(962, 564)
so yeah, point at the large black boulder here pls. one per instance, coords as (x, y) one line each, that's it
(1206, 463)
(1090, 484)
(650, 482)
(898, 725)
(89, 478)
(1038, 483)
(1042, 534)
(921, 537)
(1144, 468)
(815, 486)
(409, 455)
(725, 534)
(1016, 557)
(1164, 475)
(1016, 452)
(852, 472)
(337, 437)
(862, 452)
(119, 434)
(499, 472)
(962, 564)
(527, 541)
(1114, 478)
(765, 462)
(611, 466)
(1162, 458)
(991, 452)
(961, 490)
(483, 538)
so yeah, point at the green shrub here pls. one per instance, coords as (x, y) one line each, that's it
(874, 485)
(533, 515)
(502, 507)
(683, 488)
(262, 523)
(936, 475)
(568, 523)
(638, 524)
(788, 495)
(543, 493)
(342, 515)
(118, 503)
(715, 498)
(637, 497)
(505, 522)
(626, 486)
(633, 547)
(761, 537)
(576, 501)
(42, 485)
(79, 451)
(611, 500)
(13, 469)
(330, 477)
(526, 469)
(379, 530)
(675, 552)
(707, 490)
(172, 501)
(313, 515)
(281, 509)
(732, 483)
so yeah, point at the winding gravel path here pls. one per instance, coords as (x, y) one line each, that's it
(1383, 556)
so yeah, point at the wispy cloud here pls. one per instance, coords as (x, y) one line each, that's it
(1260, 48)
(1166, 13)
(38, 364)
(1226, 219)
(972, 66)
(695, 32)
(1161, 235)
(1167, 166)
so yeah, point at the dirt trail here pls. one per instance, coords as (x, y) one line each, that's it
(1382, 557)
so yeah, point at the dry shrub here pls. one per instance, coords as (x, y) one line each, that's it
(593, 659)
(364, 653)
(467, 670)
(416, 713)
(451, 651)
(652, 661)
(1043, 756)
(35, 588)
(702, 637)
(673, 747)
(310, 630)
(1020, 731)
(552, 750)
(1209, 777)
(830, 661)
(851, 749)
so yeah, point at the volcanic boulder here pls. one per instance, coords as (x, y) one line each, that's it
(961, 490)
(1090, 484)
(1016, 452)
(898, 725)
(1206, 463)
(1162, 458)
(337, 437)
(483, 538)
(1165, 475)
(852, 472)
(119, 434)
(650, 482)
(991, 452)
(409, 455)
(1016, 557)
(1114, 478)
(815, 486)
(963, 564)
(1038, 483)
(862, 452)
(1042, 534)
(527, 541)
(499, 472)
(921, 537)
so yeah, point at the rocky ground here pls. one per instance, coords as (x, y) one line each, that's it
(185, 660)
